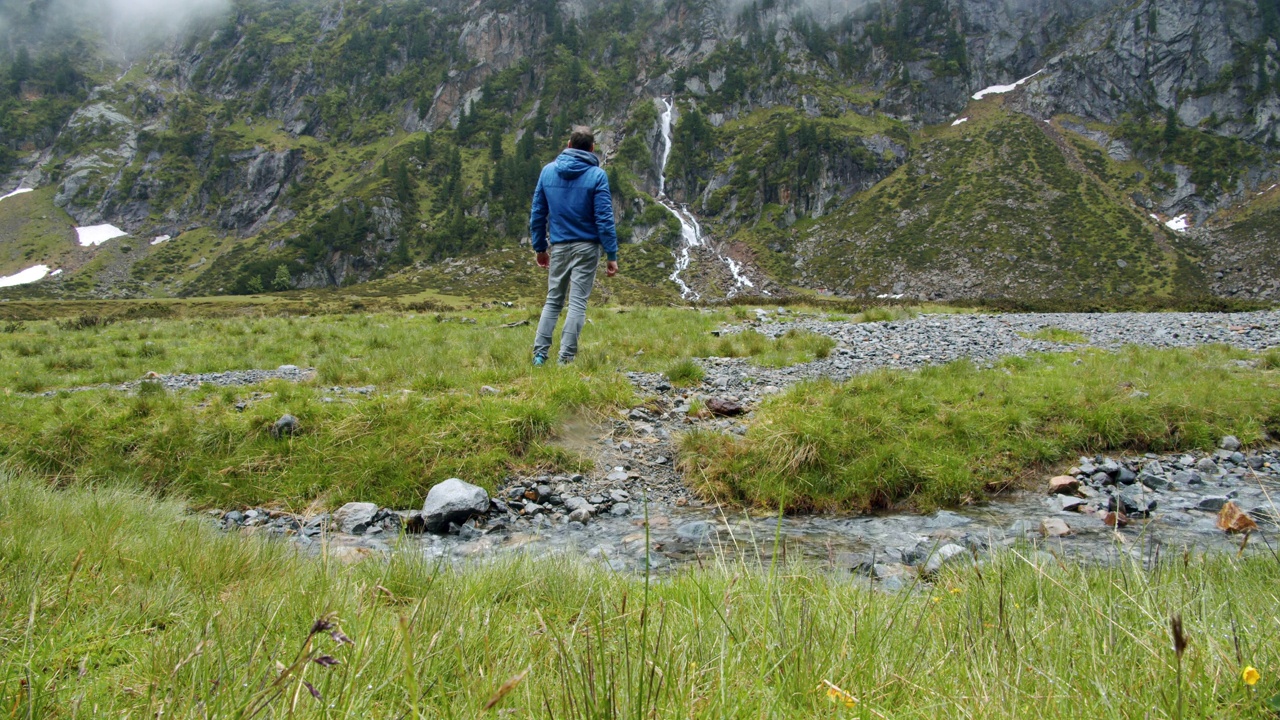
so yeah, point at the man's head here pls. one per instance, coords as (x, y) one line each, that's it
(582, 139)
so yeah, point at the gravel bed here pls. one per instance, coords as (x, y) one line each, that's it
(190, 381)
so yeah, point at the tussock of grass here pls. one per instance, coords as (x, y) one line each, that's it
(685, 372)
(790, 348)
(1270, 360)
(891, 313)
(1057, 335)
(943, 434)
(133, 608)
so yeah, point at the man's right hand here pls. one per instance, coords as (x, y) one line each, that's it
(611, 268)
(544, 259)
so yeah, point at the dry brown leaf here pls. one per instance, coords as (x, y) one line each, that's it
(1233, 520)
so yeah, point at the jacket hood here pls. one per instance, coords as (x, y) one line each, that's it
(571, 163)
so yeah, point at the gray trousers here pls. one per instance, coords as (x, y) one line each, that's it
(572, 274)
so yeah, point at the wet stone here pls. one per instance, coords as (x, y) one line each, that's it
(1071, 504)
(1053, 527)
(1155, 482)
(1188, 477)
(1212, 503)
(943, 556)
(355, 518)
(697, 531)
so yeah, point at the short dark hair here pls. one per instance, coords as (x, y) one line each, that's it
(582, 139)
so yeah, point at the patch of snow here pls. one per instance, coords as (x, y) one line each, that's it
(1000, 89)
(887, 296)
(1179, 223)
(56, 272)
(19, 191)
(24, 277)
(98, 234)
(1154, 217)
(959, 121)
(161, 239)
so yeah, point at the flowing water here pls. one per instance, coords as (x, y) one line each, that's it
(690, 231)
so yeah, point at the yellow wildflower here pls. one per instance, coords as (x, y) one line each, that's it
(1251, 676)
(836, 695)
(956, 591)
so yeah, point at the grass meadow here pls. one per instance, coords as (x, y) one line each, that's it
(948, 434)
(456, 396)
(118, 598)
(430, 417)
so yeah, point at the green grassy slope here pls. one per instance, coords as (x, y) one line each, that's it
(997, 206)
(33, 231)
(1243, 249)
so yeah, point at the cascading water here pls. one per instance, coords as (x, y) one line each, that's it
(690, 230)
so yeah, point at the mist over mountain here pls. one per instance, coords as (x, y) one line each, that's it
(828, 145)
(118, 28)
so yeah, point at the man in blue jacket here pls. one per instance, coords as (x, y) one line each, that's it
(571, 225)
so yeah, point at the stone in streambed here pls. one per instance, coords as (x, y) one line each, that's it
(697, 531)
(1188, 477)
(1063, 485)
(453, 501)
(1053, 527)
(1229, 443)
(1213, 503)
(945, 555)
(1066, 503)
(355, 518)
(1155, 482)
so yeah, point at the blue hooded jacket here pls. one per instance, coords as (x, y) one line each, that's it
(572, 203)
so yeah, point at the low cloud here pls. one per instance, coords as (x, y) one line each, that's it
(124, 25)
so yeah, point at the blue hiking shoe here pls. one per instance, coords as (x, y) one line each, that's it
(539, 360)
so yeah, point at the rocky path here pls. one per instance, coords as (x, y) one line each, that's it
(1157, 503)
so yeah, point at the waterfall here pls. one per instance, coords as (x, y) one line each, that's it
(690, 231)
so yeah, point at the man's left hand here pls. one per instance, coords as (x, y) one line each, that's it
(611, 268)
(543, 259)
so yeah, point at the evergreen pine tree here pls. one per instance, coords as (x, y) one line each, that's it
(1171, 129)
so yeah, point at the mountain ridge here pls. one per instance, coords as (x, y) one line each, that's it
(299, 144)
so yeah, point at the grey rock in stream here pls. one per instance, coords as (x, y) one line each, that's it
(453, 501)
(355, 518)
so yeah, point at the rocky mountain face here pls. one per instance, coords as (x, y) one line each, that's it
(314, 143)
